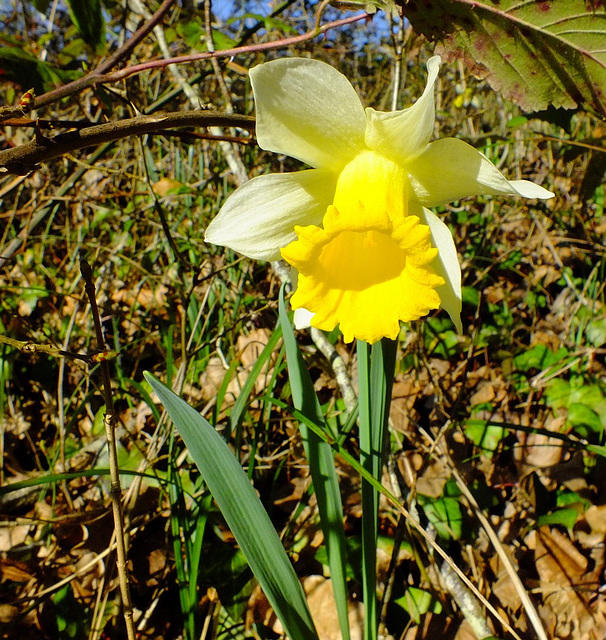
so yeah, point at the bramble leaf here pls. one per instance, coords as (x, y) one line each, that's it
(536, 53)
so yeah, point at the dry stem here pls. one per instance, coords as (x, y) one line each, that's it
(114, 473)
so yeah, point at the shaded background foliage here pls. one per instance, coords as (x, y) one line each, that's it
(520, 397)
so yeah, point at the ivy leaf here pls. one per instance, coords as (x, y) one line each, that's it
(535, 52)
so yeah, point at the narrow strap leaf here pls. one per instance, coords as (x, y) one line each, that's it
(321, 468)
(243, 513)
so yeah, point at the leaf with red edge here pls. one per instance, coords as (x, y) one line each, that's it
(535, 52)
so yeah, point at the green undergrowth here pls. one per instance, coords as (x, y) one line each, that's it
(526, 375)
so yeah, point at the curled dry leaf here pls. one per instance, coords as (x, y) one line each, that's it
(567, 587)
(538, 450)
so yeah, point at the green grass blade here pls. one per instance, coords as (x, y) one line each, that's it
(53, 478)
(240, 404)
(321, 467)
(178, 525)
(195, 548)
(243, 513)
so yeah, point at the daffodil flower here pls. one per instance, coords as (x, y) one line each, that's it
(368, 252)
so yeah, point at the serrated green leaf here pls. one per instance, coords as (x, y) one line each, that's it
(193, 33)
(564, 517)
(243, 513)
(558, 393)
(370, 6)
(222, 41)
(539, 357)
(445, 515)
(517, 121)
(537, 54)
(27, 71)
(580, 416)
(471, 296)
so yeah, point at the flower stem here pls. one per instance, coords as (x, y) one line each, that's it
(376, 367)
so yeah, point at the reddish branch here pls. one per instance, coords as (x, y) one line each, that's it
(23, 159)
(102, 75)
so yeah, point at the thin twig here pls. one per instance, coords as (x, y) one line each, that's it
(92, 78)
(283, 43)
(114, 472)
(98, 76)
(27, 346)
(230, 151)
(21, 160)
(448, 560)
(339, 367)
(8, 251)
(529, 607)
(465, 598)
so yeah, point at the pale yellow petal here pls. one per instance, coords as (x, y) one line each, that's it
(446, 265)
(259, 218)
(402, 135)
(308, 110)
(450, 169)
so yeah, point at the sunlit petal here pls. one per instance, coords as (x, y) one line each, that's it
(450, 169)
(302, 318)
(402, 135)
(258, 219)
(306, 109)
(445, 264)
(380, 183)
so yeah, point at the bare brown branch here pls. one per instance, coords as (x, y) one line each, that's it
(25, 158)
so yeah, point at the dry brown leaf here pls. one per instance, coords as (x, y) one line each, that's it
(164, 186)
(566, 586)
(212, 379)
(13, 571)
(538, 450)
(249, 349)
(324, 610)
(13, 536)
(465, 632)
(404, 394)
(595, 517)
(320, 598)
(435, 476)
(545, 274)
(503, 587)
(7, 613)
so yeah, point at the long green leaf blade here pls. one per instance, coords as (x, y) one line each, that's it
(243, 513)
(321, 467)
